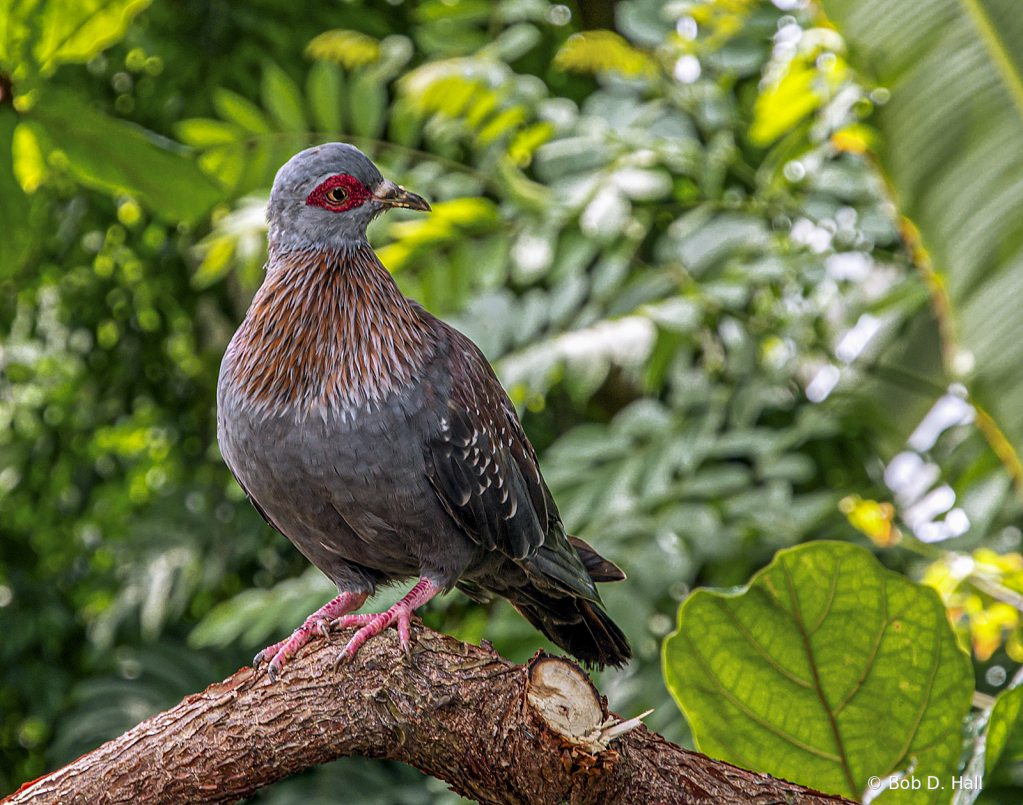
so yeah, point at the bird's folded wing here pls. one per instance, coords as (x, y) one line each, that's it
(479, 474)
(253, 501)
(487, 476)
(494, 491)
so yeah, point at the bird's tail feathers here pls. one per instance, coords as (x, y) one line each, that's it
(575, 566)
(578, 626)
(599, 568)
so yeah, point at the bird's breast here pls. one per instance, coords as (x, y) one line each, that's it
(326, 333)
(328, 474)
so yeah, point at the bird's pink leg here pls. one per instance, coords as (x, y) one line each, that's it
(400, 614)
(317, 623)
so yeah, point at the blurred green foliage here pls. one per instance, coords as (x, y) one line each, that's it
(662, 235)
(952, 147)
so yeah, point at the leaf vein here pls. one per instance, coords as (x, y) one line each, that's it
(752, 715)
(760, 649)
(885, 622)
(842, 759)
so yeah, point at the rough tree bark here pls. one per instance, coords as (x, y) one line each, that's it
(497, 732)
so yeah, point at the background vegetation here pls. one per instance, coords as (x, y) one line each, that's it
(751, 276)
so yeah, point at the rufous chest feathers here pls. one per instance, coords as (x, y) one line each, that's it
(327, 329)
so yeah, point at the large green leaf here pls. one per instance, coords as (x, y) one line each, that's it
(324, 87)
(953, 150)
(282, 98)
(240, 110)
(14, 204)
(112, 156)
(827, 670)
(1004, 733)
(59, 31)
(76, 30)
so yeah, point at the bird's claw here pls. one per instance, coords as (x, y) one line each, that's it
(287, 649)
(400, 615)
(270, 652)
(277, 659)
(316, 624)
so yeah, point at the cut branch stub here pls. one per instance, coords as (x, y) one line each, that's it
(563, 696)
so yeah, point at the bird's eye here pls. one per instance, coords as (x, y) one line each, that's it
(337, 195)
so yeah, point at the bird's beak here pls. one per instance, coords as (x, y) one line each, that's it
(393, 195)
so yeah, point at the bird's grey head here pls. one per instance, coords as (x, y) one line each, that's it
(326, 197)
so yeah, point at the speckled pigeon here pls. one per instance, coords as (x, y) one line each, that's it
(378, 439)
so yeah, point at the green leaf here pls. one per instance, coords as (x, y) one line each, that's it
(604, 51)
(225, 164)
(1004, 736)
(216, 262)
(405, 127)
(112, 156)
(14, 204)
(395, 52)
(505, 121)
(13, 30)
(281, 97)
(202, 133)
(368, 104)
(76, 30)
(953, 151)
(350, 49)
(241, 111)
(227, 621)
(513, 43)
(29, 161)
(324, 88)
(826, 670)
(782, 106)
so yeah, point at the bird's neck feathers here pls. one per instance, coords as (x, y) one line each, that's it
(328, 329)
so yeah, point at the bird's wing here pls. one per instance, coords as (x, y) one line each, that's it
(487, 476)
(253, 501)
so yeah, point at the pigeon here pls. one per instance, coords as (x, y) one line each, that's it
(378, 439)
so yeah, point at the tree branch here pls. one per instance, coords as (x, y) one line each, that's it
(497, 732)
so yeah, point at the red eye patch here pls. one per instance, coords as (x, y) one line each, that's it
(339, 193)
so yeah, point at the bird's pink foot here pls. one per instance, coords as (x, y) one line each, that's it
(317, 623)
(400, 614)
